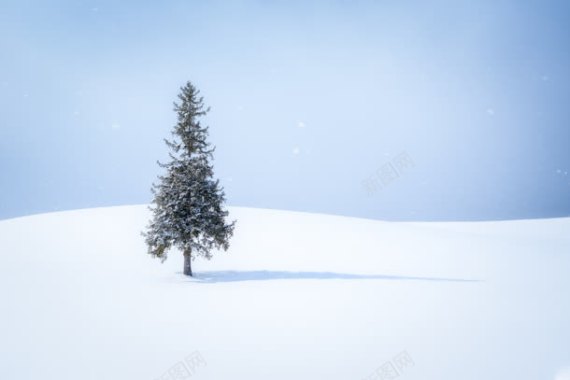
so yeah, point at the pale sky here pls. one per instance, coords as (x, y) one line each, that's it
(314, 104)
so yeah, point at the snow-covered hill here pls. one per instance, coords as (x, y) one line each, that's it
(297, 296)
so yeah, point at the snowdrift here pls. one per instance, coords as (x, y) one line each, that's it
(297, 296)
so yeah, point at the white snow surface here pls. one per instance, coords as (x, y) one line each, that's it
(297, 296)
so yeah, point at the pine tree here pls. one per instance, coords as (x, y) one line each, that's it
(187, 208)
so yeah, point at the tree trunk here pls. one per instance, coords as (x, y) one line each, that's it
(188, 262)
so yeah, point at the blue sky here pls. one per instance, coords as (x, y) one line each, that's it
(312, 104)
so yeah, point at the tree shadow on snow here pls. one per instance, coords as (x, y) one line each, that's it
(264, 275)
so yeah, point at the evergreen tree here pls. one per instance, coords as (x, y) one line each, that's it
(187, 208)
